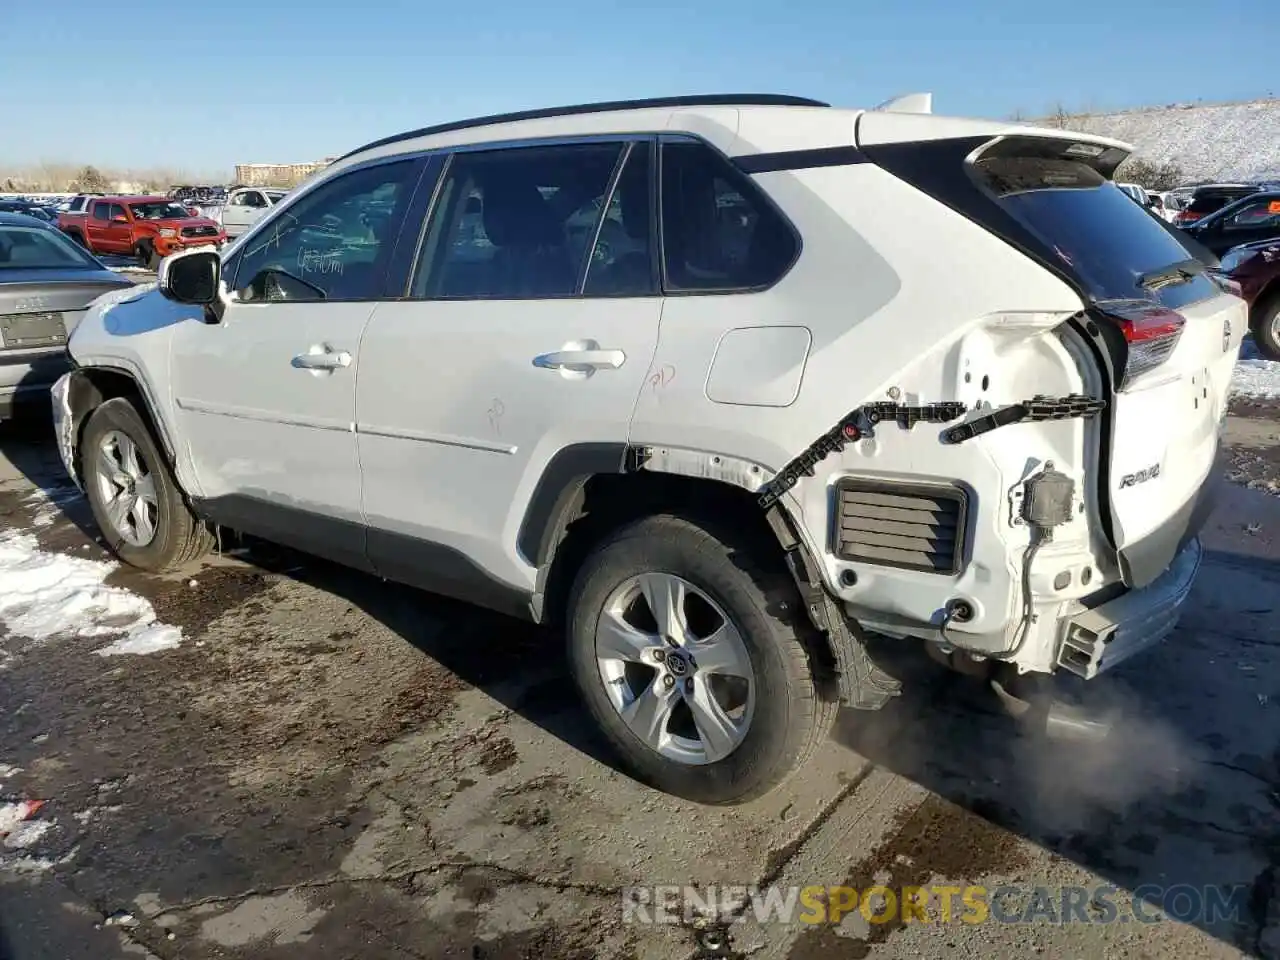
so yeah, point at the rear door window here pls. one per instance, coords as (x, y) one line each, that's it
(520, 223)
(719, 233)
(1094, 231)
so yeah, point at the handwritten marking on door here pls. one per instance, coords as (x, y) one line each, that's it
(661, 376)
(496, 410)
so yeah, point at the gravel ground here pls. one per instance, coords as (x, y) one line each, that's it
(332, 766)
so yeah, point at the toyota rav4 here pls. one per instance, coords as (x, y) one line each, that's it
(717, 387)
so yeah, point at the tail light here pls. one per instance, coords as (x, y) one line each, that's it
(1186, 216)
(1150, 332)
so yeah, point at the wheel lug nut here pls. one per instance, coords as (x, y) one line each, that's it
(669, 680)
(688, 684)
(659, 654)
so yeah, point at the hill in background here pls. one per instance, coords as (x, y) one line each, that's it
(1217, 141)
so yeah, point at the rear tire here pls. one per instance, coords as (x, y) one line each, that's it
(1265, 324)
(78, 238)
(132, 492)
(785, 718)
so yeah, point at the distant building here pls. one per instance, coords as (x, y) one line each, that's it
(277, 174)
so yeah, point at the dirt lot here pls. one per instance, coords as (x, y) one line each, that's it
(332, 766)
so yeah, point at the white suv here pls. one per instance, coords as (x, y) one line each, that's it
(715, 385)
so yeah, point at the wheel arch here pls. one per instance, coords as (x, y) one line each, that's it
(91, 386)
(1265, 297)
(589, 490)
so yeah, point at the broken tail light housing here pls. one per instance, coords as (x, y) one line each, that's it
(1150, 333)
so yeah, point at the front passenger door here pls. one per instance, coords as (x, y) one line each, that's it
(266, 397)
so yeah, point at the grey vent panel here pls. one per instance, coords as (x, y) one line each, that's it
(909, 526)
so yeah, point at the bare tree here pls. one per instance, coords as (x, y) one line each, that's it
(1059, 118)
(89, 180)
(1150, 174)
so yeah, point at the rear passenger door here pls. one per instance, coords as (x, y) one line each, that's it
(529, 326)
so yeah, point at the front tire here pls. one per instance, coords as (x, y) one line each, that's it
(1265, 324)
(135, 500)
(688, 643)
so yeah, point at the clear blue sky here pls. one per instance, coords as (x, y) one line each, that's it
(199, 86)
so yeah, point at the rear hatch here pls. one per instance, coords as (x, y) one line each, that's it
(1163, 333)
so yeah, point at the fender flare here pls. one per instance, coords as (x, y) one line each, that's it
(84, 395)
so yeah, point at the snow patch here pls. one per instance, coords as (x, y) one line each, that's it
(45, 595)
(48, 504)
(8, 770)
(149, 639)
(27, 834)
(1256, 378)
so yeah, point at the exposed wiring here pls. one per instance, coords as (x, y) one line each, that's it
(1039, 537)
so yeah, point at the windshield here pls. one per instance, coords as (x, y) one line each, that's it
(159, 210)
(39, 248)
(1097, 233)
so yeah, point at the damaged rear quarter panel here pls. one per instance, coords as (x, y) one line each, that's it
(886, 306)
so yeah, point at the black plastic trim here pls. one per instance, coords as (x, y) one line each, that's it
(328, 537)
(948, 491)
(608, 106)
(799, 159)
(561, 480)
(393, 556)
(404, 253)
(437, 568)
(1143, 562)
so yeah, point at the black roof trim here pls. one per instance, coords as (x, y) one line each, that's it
(609, 106)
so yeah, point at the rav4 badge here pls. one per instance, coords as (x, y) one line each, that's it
(1140, 476)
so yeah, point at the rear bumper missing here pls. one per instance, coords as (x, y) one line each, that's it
(1100, 638)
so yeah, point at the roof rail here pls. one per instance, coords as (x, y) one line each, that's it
(609, 106)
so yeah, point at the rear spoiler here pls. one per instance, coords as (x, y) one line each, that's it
(908, 103)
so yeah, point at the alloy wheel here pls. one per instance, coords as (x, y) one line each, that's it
(675, 668)
(127, 489)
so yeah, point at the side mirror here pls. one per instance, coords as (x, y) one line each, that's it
(119, 218)
(191, 277)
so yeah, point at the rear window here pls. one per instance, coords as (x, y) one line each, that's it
(1097, 234)
(1212, 202)
(38, 248)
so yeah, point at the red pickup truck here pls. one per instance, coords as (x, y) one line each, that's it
(148, 228)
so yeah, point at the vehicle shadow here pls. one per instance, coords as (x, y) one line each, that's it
(522, 666)
(27, 450)
(1180, 803)
(1181, 800)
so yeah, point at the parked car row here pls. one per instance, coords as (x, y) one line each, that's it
(148, 228)
(46, 284)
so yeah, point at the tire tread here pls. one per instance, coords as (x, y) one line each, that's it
(811, 714)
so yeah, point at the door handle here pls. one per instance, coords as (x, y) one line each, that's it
(322, 358)
(581, 359)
